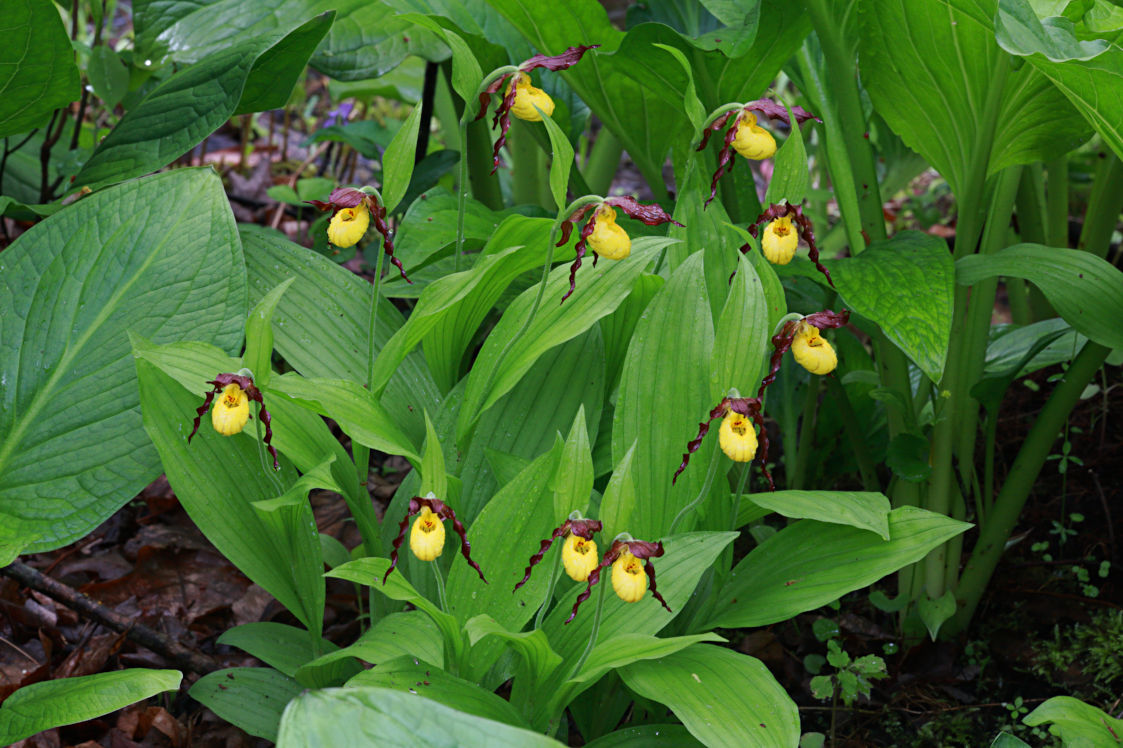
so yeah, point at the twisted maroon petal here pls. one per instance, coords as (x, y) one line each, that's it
(378, 213)
(414, 508)
(652, 215)
(806, 230)
(579, 249)
(503, 120)
(703, 429)
(773, 110)
(485, 95)
(444, 511)
(724, 159)
(566, 59)
(713, 127)
(255, 394)
(544, 546)
(202, 409)
(594, 577)
(650, 569)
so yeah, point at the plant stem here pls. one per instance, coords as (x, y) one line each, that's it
(461, 196)
(702, 494)
(485, 185)
(603, 160)
(1027, 465)
(549, 591)
(261, 454)
(440, 585)
(525, 177)
(596, 626)
(1056, 202)
(798, 478)
(866, 466)
(1106, 200)
(745, 469)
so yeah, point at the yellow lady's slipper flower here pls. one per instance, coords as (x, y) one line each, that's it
(780, 241)
(628, 579)
(812, 351)
(427, 538)
(231, 411)
(737, 437)
(579, 556)
(348, 226)
(527, 97)
(753, 141)
(609, 240)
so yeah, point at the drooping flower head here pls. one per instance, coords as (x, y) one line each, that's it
(579, 552)
(602, 235)
(630, 578)
(520, 97)
(786, 224)
(747, 137)
(351, 214)
(809, 348)
(232, 410)
(736, 436)
(427, 538)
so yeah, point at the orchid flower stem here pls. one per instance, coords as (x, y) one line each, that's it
(440, 585)
(549, 591)
(376, 290)
(261, 454)
(461, 194)
(867, 468)
(798, 477)
(596, 627)
(701, 494)
(745, 469)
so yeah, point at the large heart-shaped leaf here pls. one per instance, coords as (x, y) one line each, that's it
(158, 257)
(906, 285)
(37, 70)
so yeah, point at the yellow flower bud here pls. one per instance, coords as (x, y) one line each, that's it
(348, 226)
(231, 411)
(427, 538)
(609, 240)
(526, 97)
(752, 140)
(737, 437)
(628, 578)
(579, 556)
(812, 351)
(779, 241)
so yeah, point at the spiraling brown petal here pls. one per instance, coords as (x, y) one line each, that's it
(652, 215)
(579, 249)
(806, 230)
(253, 393)
(713, 127)
(566, 59)
(773, 110)
(703, 429)
(724, 158)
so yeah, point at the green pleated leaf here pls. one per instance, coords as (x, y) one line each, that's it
(809, 564)
(158, 257)
(625, 649)
(321, 325)
(561, 160)
(865, 510)
(397, 161)
(37, 70)
(429, 225)
(191, 104)
(723, 697)
(664, 393)
(790, 178)
(599, 292)
(533, 647)
(390, 718)
(574, 480)
(1085, 290)
(259, 334)
(906, 285)
(643, 736)
(1076, 723)
(251, 698)
(412, 634)
(278, 645)
(619, 501)
(1019, 31)
(406, 674)
(64, 701)
(108, 76)
(931, 87)
(741, 336)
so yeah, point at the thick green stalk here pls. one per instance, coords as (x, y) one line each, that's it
(1027, 466)
(1030, 207)
(1056, 203)
(1106, 200)
(485, 185)
(440, 585)
(525, 176)
(549, 590)
(265, 467)
(866, 466)
(596, 627)
(604, 158)
(702, 494)
(798, 477)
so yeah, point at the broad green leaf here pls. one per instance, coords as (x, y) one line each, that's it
(406, 674)
(619, 501)
(351, 406)
(37, 70)
(574, 479)
(397, 161)
(369, 40)
(619, 326)
(643, 736)
(281, 65)
(278, 645)
(676, 573)
(328, 304)
(809, 564)
(108, 75)
(693, 107)
(865, 510)
(64, 701)
(433, 477)
(15, 535)
(250, 698)
(664, 392)
(190, 105)
(561, 160)
(1006, 740)
(429, 225)
(906, 285)
(723, 697)
(935, 612)
(503, 537)
(1011, 344)
(790, 178)
(703, 229)
(932, 88)
(625, 649)
(259, 334)
(599, 292)
(466, 72)
(741, 336)
(1020, 32)
(1085, 290)
(389, 718)
(158, 257)
(412, 634)
(526, 421)
(1077, 724)
(1092, 87)
(539, 659)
